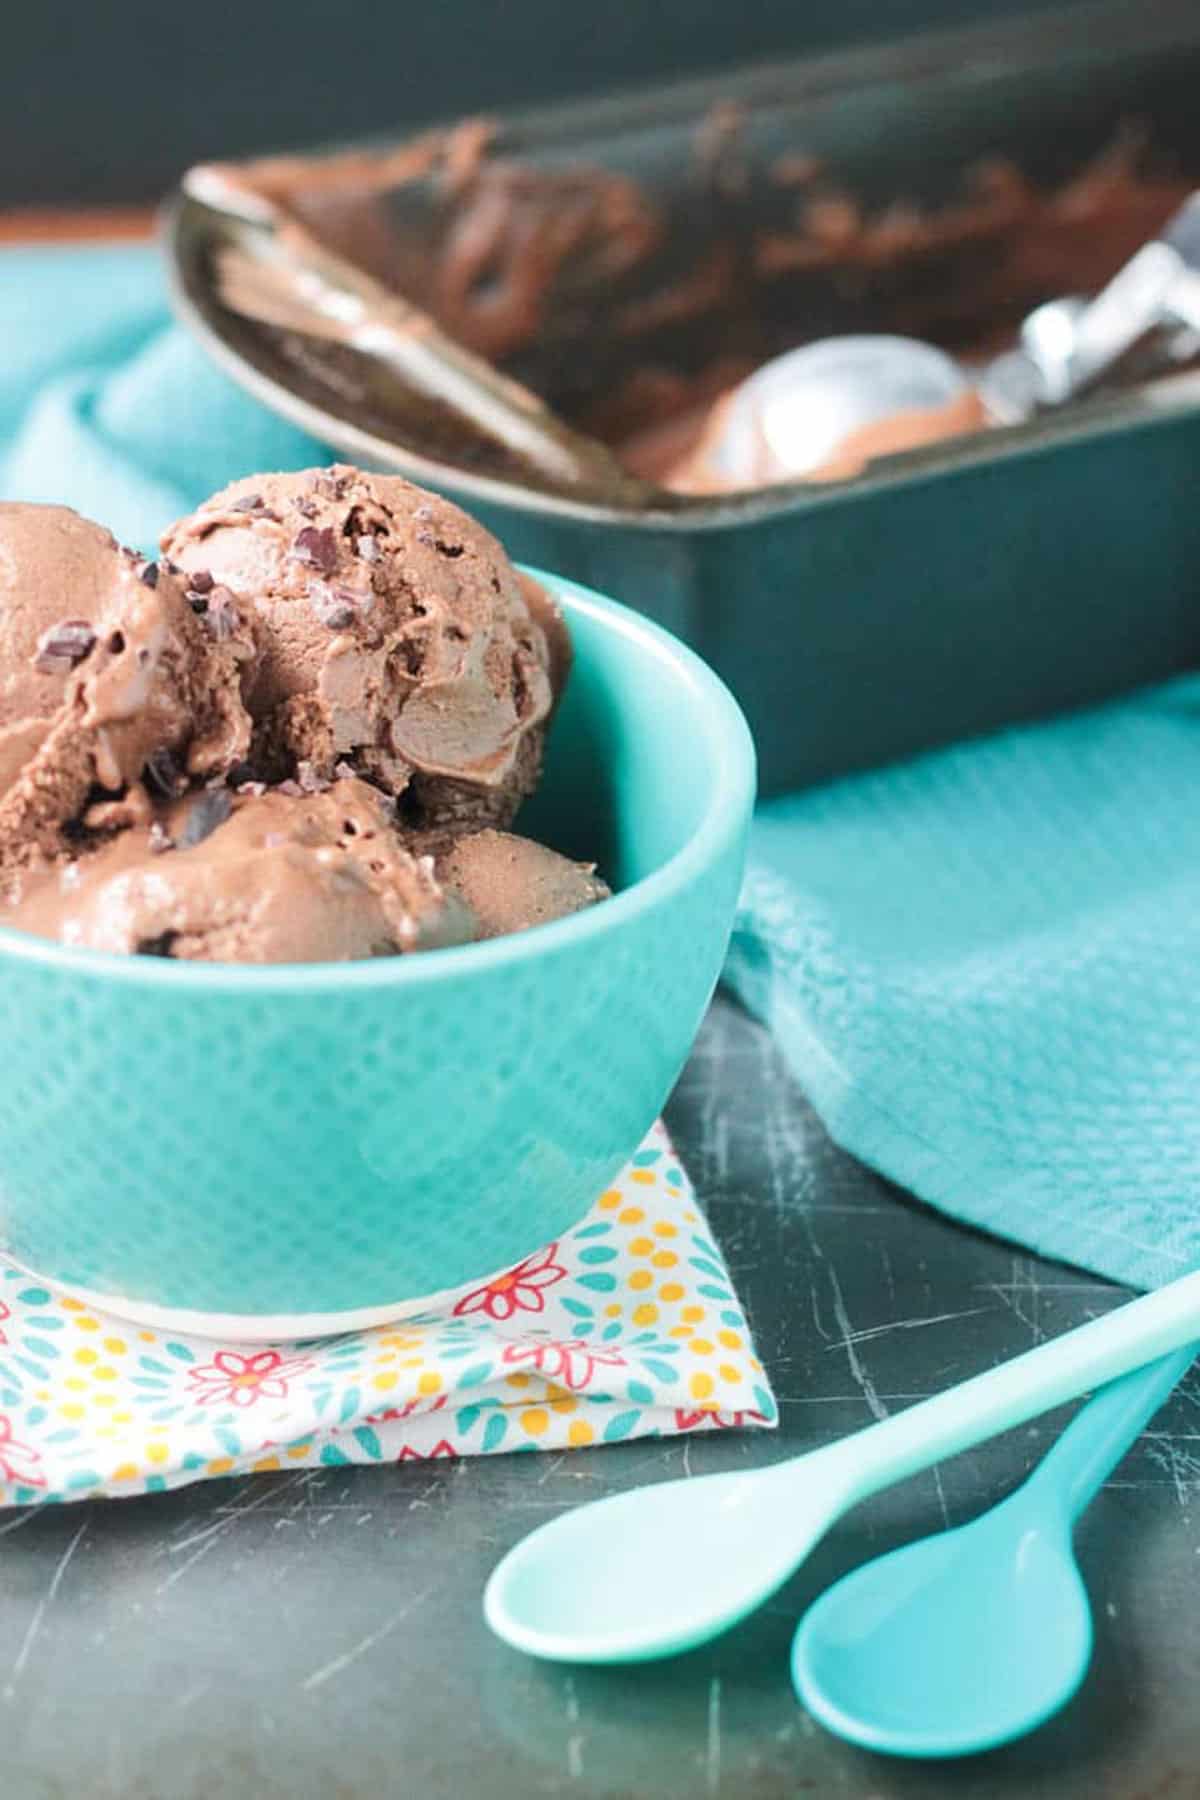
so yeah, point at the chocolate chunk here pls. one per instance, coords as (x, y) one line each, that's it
(160, 839)
(63, 646)
(201, 581)
(164, 774)
(207, 811)
(444, 549)
(148, 575)
(162, 945)
(198, 603)
(317, 546)
(248, 503)
(336, 608)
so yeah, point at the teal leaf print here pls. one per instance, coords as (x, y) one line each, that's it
(603, 1284)
(349, 1406)
(332, 1456)
(473, 1376)
(637, 1390)
(620, 1427)
(494, 1431)
(370, 1443)
(598, 1253)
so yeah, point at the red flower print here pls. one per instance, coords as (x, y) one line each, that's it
(4, 1314)
(518, 1291)
(421, 1405)
(572, 1363)
(19, 1462)
(245, 1379)
(442, 1448)
(722, 1421)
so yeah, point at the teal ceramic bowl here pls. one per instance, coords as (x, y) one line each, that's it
(308, 1148)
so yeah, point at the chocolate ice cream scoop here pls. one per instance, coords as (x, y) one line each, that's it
(249, 877)
(104, 669)
(397, 638)
(510, 883)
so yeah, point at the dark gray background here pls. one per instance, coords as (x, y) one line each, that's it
(111, 101)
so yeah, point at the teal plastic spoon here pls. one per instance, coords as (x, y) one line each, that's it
(663, 1568)
(973, 1637)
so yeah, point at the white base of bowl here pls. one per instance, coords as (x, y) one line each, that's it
(255, 1328)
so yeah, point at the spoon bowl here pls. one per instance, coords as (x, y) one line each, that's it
(694, 1558)
(951, 1645)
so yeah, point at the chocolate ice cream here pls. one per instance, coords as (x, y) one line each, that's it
(397, 638)
(253, 877)
(254, 753)
(510, 883)
(104, 670)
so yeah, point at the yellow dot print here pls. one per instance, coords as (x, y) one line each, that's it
(517, 1381)
(614, 1311)
(646, 1313)
(640, 1280)
(664, 1228)
(86, 1356)
(701, 1347)
(220, 1465)
(701, 1386)
(680, 1331)
(641, 1246)
(664, 1259)
(536, 1420)
(157, 1453)
(125, 1472)
(115, 1346)
(632, 1215)
(693, 1314)
(429, 1382)
(643, 1177)
(671, 1290)
(387, 1378)
(265, 1464)
(609, 1201)
(76, 1383)
(70, 1305)
(87, 1324)
(727, 1372)
(105, 1372)
(71, 1410)
(579, 1432)
(730, 1339)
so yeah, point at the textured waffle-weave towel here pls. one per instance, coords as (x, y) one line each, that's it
(984, 966)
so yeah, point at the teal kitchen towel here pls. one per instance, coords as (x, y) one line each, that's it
(108, 406)
(984, 967)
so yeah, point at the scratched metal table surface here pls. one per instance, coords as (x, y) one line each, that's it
(319, 1634)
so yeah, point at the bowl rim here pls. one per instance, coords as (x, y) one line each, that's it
(728, 811)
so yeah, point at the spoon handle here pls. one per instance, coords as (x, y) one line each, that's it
(1101, 1432)
(1015, 1391)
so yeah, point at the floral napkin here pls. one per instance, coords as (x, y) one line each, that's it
(627, 1327)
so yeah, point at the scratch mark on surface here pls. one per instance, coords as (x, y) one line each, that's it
(858, 1368)
(204, 1540)
(328, 1670)
(875, 1331)
(40, 1611)
(575, 1740)
(22, 1518)
(712, 1759)
(941, 1494)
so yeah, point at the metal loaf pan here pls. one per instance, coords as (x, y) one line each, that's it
(941, 186)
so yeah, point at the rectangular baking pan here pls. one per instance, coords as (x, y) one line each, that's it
(944, 591)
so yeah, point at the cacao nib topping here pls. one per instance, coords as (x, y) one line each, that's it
(162, 945)
(317, 546)
(201, 581)
(248, 503)
(164, 775)
(309, 781)
(221, 616)
(63, 646)
(207, 811)
(148, 574)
